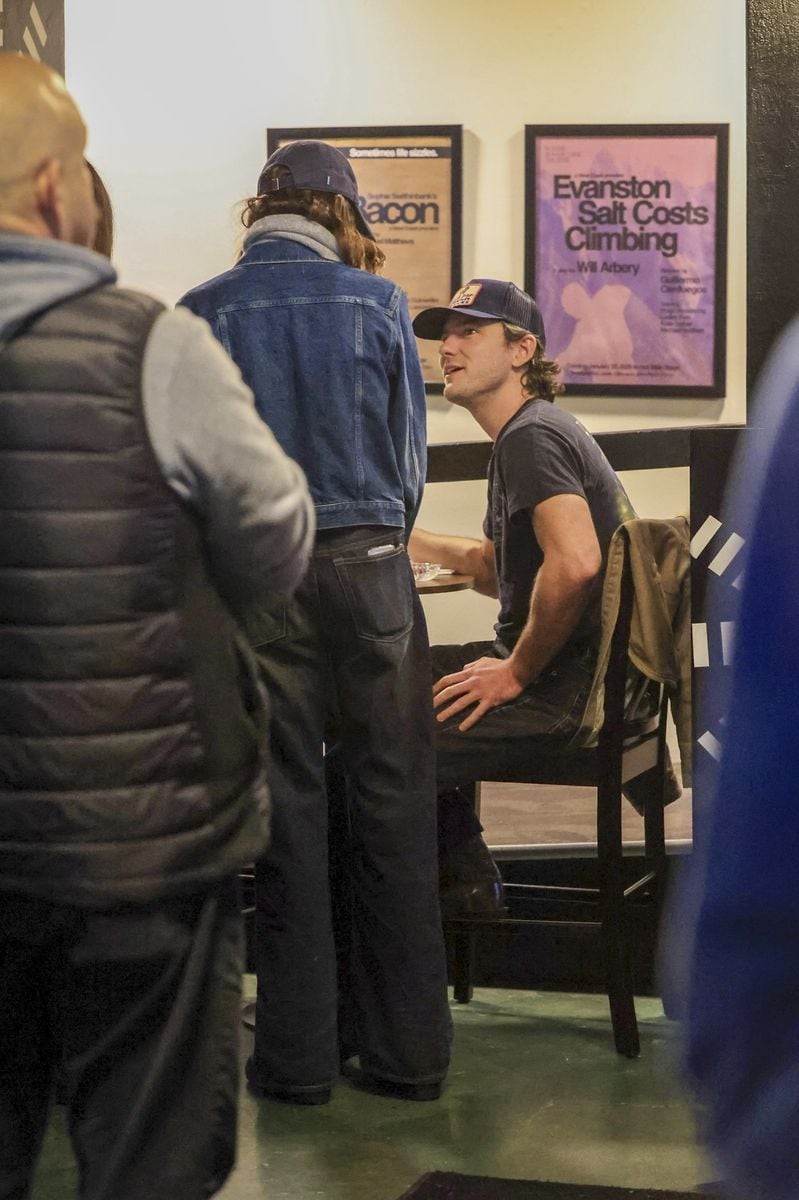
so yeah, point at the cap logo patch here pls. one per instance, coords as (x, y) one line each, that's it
(466, 296)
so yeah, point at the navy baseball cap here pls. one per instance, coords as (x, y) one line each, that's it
(317, 165)
(488, 299)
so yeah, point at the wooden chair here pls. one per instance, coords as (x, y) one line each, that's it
(621, 754)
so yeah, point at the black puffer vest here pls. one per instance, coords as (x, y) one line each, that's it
(130, 725)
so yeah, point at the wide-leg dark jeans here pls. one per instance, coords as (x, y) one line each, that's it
(351, 650)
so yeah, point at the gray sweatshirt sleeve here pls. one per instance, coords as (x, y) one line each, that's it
(251, 499)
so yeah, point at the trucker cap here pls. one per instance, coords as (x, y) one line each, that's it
(488, 299)
(317, 165)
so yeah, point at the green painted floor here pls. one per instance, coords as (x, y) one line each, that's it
(535, 1091)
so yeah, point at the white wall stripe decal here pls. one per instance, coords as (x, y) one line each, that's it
(726, 554)
(710, 743)
(701, 652)
(703, 535)
(30, 45)
(38, 24)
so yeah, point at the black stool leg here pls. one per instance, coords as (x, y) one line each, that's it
(462, 964)
(611, 895)
(620, 991)
(463, 940)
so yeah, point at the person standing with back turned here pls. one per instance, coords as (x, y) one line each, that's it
(140, 500)
(328, 350)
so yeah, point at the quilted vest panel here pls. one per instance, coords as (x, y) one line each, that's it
(130, 753)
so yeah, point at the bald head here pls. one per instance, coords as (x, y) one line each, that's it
(44, 185)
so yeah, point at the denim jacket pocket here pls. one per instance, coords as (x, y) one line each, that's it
(379, 594)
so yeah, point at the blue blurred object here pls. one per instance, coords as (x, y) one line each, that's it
(735, 927)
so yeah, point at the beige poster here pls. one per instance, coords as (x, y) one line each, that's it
(409, 185)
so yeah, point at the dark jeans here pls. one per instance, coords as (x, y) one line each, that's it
(547, 714)
(351, 651)
(137, 1010)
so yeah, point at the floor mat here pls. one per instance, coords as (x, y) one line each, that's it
(442, 1185)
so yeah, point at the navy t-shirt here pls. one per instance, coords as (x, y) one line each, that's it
(543, 452)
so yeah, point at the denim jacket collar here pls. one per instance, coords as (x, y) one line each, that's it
(294, 228)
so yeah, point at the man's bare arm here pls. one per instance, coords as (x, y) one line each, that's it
(572, 561)
(467, 556)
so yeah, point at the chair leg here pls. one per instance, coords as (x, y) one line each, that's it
(654, 821)
(621, 996)
(462, 965)
(620, 992)
(463, 941)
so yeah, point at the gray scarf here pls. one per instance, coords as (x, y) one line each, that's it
(294, 228)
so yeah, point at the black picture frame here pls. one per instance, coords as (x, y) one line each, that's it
(672, 344)
(428, 273)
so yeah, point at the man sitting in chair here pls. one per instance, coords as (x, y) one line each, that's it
(554, 502)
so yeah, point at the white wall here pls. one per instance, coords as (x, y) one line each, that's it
(177, 95)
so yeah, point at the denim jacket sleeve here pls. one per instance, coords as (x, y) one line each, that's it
(409, 414)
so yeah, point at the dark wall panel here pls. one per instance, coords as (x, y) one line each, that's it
(773, 173)
(35, 28)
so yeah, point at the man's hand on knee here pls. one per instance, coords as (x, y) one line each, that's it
(485, 683)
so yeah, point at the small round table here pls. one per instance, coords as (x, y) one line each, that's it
(445, 583)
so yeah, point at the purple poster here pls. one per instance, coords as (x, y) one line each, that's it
(626, 255)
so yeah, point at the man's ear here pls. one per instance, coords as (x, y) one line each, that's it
(47, 196)
(524, 349)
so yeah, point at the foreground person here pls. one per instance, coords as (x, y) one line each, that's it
(735, 926)
(138, 488)
(328, 350)
(554, 503)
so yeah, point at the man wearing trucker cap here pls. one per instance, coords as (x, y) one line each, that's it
(554, 502)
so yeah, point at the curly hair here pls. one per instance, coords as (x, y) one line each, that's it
(329, 209)
(539, 378)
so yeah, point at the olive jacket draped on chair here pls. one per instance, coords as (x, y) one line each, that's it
(660, 636)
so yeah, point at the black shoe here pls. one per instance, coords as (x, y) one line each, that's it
(286, 1095)
(469, 883)
(391, 1088)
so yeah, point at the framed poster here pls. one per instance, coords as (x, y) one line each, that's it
(626, 255)
(409, 178)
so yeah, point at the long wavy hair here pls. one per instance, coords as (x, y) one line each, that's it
(329, 209)
(104, 237)
(540, 376)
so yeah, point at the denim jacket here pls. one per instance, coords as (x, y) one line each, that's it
(330, 355)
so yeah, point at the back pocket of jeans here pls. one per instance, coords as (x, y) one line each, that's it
(378, 592)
